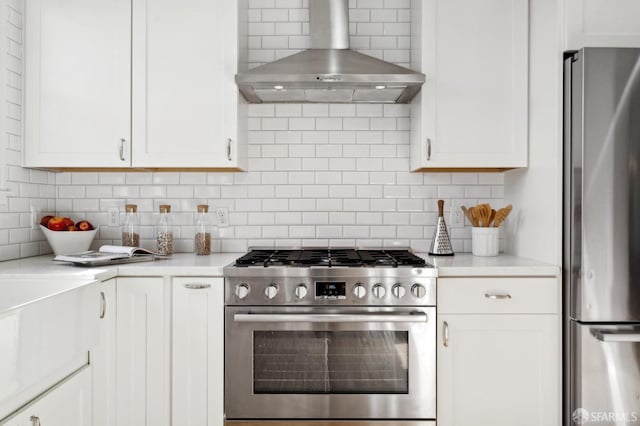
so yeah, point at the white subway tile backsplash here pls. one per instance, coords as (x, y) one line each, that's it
(333, 123)
(302, 124)
(288, 110)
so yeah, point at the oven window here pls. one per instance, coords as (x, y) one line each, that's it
(329, 362)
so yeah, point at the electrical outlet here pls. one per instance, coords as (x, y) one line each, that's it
(222, 214)
(113, 217)
(35, 217)
(457, 216)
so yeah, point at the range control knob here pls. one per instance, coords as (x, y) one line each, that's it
(398, 291)
(300, 291)
(418, 291)
(378, 291)
(242, 291)
(271, 291)
(359, 291)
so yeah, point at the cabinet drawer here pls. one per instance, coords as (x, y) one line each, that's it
(498, 295)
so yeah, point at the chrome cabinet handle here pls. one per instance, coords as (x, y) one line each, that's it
(229, 149)
(103, 305)
(497, 296)
(122, 142)
(35, 420)
(428, 149)
(445, 334)
(197, 286)
(331, 318)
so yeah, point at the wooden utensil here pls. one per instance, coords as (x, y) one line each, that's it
(484, 214)
(493, 216)
(501, 215)
(475, 221)
(469, 216)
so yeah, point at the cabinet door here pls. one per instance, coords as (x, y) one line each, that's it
(185, 101)
(103, 358)
(143, 357)
(499, 370)
(197, 351)
(602, 23)
(67, 404)
(77, 87)
(473, 109)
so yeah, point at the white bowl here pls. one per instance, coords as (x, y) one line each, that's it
(69, 242)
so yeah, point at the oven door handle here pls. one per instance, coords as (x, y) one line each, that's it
(324, 318)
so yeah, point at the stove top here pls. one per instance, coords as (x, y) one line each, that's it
(319, 257)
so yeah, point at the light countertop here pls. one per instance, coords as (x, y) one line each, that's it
(188, 264)
(40, 277)
(467, 265)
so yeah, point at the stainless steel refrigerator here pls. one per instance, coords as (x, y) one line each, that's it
(602, 236)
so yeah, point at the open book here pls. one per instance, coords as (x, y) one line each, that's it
(109, 255)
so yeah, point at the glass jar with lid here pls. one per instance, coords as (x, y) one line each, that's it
(130, 227)
(164, 231)
(202, 240)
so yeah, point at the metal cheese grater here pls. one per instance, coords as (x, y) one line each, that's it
(440, 244)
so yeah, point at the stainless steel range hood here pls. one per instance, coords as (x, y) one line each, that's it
(329, 72)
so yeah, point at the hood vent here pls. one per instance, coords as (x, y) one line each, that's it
(329, 72)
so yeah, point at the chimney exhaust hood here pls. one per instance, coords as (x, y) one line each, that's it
(329, 72)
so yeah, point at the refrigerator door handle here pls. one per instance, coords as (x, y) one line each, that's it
(616, 336)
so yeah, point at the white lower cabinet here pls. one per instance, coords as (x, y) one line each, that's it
(197, 351)
(143, 352)
(498, 369)
(67, 404)
(103, 359)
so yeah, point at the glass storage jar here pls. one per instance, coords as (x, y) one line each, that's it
(202, 240)
(131, 227)
(164, 231)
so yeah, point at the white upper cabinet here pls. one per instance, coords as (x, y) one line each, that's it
(472, 111)
(77, 83)
(602, 23)
(133, 83)
(185, 100)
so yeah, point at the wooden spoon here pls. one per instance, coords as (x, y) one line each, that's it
(501, 215)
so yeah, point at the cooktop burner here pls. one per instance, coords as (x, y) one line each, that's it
(331, 258)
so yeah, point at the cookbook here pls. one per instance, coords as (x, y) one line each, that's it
(110, 255)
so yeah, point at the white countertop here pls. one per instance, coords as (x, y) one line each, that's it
(467, 265)
(188, 264)
(40, 277)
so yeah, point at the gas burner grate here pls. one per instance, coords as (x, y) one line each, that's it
(330, 258)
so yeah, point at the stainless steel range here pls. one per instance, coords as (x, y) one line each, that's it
(337, 336)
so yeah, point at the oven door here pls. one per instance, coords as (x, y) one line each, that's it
(327, 363)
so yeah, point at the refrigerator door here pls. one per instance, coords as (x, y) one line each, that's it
(605, 186)
(605, 379)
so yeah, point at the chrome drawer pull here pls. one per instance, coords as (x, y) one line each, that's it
(103, 305)
(197, 286)
(229, 149)
(35, 420)
(428, 149)
(445, 334)
(497, 296)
